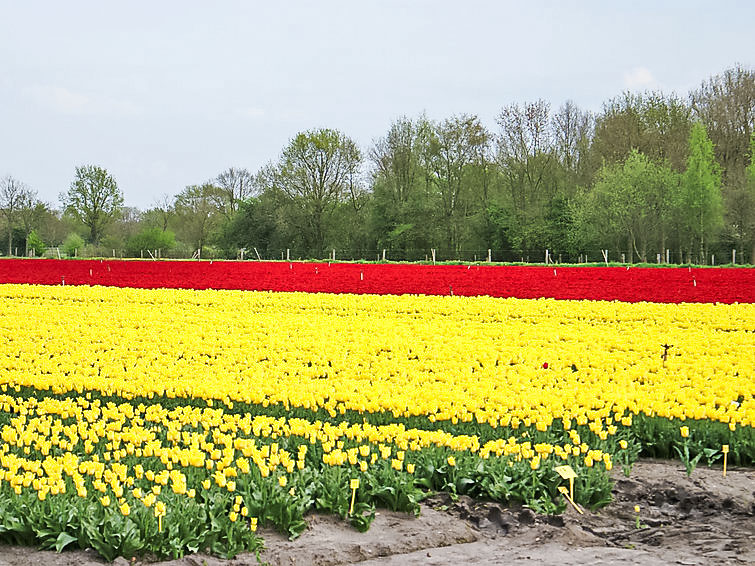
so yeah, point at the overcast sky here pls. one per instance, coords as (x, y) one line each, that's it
(167, 94)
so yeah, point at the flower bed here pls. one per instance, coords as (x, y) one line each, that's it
(171, 417)
(661, 285)
(167, 421)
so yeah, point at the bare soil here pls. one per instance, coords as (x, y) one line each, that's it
(704, 519)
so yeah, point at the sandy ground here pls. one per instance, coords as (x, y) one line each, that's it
(705, 519)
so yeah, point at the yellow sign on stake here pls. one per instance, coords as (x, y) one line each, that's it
(354, 485)
(725, 450)
(568, 473)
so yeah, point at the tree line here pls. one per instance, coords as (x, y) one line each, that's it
(651, 175)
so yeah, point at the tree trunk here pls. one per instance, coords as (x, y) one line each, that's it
(630, 241)
(702, 240)
(663, 245)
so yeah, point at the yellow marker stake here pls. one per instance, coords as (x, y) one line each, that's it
(354, 485)
(160, 523)
(725, 450)
(562, 489)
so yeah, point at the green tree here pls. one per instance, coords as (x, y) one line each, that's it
(51, 226)
(254, 227)
(317, 170)
(701, 193)
(630, 206)
(94, 199)
(160, 214)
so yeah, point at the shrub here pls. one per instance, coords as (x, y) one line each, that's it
(150, 239)
(73, 244)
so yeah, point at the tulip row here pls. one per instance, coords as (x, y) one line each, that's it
(667, 285)
(206, 476)
(446, 359)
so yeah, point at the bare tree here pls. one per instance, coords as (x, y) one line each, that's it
(457, 144)
(525, 155)
(656, 124)
(196, 210)
(163, 210)
(572, 133)
(396, 157)
(31, 213)
(666, 123)
(234, 185)
(725, 104)
(13, 195)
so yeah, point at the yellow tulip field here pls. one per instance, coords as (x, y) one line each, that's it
(173, 420)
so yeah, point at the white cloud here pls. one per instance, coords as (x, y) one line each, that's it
(65, 101)
(639, 78)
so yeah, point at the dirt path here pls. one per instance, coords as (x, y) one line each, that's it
(705, 519)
